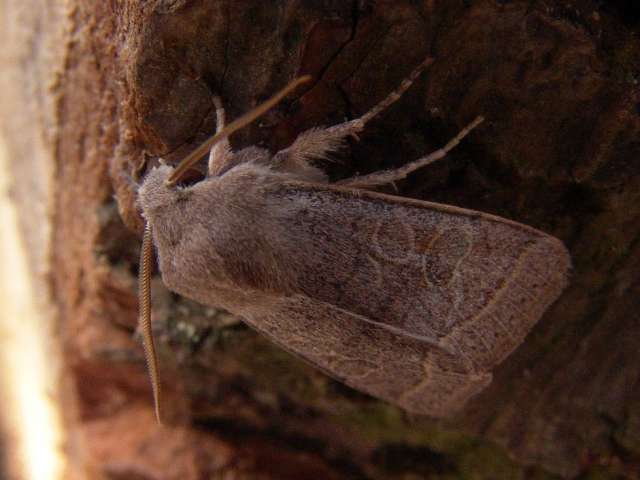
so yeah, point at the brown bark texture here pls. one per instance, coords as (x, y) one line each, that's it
(133, 81)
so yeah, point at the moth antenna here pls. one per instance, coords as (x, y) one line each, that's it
(237, 124)
(144, 291)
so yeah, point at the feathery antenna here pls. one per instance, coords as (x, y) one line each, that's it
(144, 291)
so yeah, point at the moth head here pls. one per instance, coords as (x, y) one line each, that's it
(155, 193)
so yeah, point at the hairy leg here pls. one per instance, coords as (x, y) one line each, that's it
(388, 176)
(318, 143)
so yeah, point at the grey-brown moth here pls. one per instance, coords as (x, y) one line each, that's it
(410, 301)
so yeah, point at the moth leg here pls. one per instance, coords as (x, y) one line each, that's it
(318, 143)
(389, 176)
(220, 154)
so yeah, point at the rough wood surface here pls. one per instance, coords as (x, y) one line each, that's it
(101, 86)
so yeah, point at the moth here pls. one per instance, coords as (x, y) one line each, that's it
(409, 301)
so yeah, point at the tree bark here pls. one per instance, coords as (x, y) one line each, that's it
(95, 90)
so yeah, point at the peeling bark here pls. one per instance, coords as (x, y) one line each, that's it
(98, 89)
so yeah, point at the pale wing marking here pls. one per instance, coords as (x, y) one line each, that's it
(411, 241)
(395, 330)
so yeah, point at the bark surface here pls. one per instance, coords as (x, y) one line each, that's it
(95, 90)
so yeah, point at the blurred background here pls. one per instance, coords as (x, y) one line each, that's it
(32, 437)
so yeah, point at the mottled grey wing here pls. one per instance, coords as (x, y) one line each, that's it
(419, 301)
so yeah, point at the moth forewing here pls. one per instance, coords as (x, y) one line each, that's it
(410, 301)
